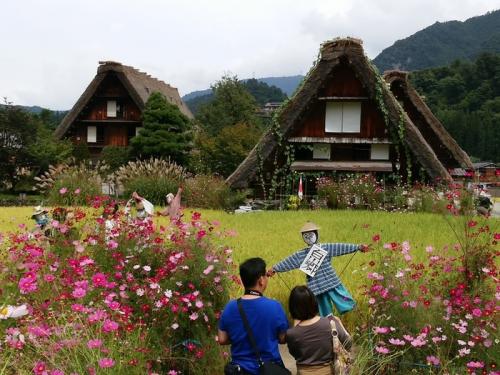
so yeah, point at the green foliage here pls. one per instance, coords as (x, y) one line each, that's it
(228, 129)
(166, 131)
(205, 191)
(81, 152)
(232, 104)
(223, 153)
(27, 147)
(443, 43)
(153, 178)
(261, 92)
(466, 98)
(75, 184)
(115, 156)
(48, 150)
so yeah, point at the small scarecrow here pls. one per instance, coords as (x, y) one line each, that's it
(315, 261)
(173, 208)
(144, 208)
(40, 216)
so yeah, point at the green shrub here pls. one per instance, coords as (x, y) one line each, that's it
(115, 156)
(153, 188)
(153, 178)
(204, 191)
(75, 184)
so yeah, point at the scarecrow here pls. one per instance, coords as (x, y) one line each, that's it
(41, 217)
(144, 208)
(173, 208)
(315, 261)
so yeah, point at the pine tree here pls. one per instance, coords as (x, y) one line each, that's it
(166, 131)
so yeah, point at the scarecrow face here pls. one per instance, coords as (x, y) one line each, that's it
(310, 238)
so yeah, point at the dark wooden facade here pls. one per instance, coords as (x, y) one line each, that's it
(109, 131)
(109, 111)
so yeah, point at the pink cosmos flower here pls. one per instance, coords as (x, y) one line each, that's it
(381, 330)
(94, 344)
(56, 372)
(99, 279)
(382, 349)
(63, 191)
(209, 269)
(106, 363)
(109, 326)
(476, 364)
(77, 191)
(476, 312)
(193, 316)
(49, 277)
(79, 293)
(112, 244)
(40, 368)
(397, 342)
(433, 360)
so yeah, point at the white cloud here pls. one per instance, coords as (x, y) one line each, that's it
(50, 49)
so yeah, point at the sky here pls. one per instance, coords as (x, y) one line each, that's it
(50, 49)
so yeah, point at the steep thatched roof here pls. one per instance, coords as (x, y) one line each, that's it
(138, 84)
(332, 54)
(445, 147)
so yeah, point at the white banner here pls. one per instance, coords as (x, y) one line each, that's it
(313, 260)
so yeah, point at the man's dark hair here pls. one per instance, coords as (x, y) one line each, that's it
(251, 270)
(302, 303)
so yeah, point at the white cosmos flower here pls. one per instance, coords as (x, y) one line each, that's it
(13, 311)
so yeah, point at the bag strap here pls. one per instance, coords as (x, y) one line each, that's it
(249, 331)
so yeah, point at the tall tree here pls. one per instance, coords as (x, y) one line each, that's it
(166, 131)
(227, 128)
(232, 104)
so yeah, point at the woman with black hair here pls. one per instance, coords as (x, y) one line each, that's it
(310, 340)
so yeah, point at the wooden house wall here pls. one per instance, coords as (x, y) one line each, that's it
(343, 83)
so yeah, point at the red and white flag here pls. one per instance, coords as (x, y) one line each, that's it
(301, 191)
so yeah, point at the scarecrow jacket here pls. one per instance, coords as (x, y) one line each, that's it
(325, 278)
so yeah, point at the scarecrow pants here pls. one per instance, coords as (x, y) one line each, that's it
(338, 297)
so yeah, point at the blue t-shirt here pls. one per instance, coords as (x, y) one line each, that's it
(266, 318)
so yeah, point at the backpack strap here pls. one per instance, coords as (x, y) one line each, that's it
(249, 332)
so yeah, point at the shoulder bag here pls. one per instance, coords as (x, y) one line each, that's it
(341, 357)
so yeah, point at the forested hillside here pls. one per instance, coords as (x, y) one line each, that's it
(261, 91)
(442, 43)
(465, 96)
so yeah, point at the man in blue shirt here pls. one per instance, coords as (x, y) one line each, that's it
(266, 318)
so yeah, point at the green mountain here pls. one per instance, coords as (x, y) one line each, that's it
(442, 43)
(465, 97)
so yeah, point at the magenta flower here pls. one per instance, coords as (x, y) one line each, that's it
(106, 363)
(432, 360)
(99, 280)
(79, 293)
(109, 326)
(476, 364)
(382, 349)
(40, 368)
(94, 344)
(476, 312)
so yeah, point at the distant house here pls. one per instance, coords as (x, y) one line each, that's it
(108, 113)
(344, 118)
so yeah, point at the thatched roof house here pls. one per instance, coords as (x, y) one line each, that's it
(109, 110)
(345, 111)
(442, 143)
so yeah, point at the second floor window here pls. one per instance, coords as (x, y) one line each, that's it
(111, 108)
(343, 117)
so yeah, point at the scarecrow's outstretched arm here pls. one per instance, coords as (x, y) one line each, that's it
(290, 263)
(337, 249)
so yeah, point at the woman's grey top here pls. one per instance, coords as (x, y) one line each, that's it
(312, 344)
